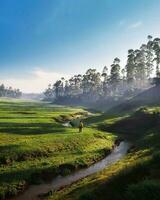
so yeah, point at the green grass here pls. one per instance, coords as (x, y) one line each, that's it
(137, 175)
(35, 147)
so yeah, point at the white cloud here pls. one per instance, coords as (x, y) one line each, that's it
(135, 25)
(37, 81)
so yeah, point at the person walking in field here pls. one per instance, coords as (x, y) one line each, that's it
(81, 126)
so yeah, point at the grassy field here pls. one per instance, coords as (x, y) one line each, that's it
(137, 175)
(34, 146)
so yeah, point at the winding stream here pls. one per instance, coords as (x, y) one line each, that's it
(34, 190)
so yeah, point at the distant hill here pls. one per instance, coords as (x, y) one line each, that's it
(148, 97)
(32, 96)
(151, 95)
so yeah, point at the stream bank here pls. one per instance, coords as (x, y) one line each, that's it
(36, 192)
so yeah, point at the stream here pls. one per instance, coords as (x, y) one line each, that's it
(34, 191)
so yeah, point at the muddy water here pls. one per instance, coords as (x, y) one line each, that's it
(34, 190)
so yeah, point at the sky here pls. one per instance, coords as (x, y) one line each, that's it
(43, 40)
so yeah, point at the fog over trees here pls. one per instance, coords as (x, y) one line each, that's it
(9, 92)
(120, 81)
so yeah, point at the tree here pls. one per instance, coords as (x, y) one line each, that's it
(75, 83)
(123, 72)
(58, 88)
(105, 77)
(149, 56)
(105, 74)
(115, 73)
(49, 93)
(156, 48)
(91, 83)
(9, 92)
(140, 66)
(130, 67)
(2, 90)
(67, 88)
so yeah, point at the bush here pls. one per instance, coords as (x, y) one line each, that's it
(86, 196)
(145, 190)
(156, 158)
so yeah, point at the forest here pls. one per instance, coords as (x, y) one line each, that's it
(9, 92)
(140, 72)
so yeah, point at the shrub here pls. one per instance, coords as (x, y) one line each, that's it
(145, 190)
(86, 196)
(156, 158)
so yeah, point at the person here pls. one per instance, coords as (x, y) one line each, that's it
(81, 126)
(113, 146)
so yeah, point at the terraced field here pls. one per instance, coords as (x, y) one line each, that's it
(35, 146)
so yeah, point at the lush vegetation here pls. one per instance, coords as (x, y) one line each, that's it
(116, 85)
(35, 146)
(137, 175)
(9, 92)
(40, 140)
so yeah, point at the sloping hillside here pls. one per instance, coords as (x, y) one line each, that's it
(146, 98)
(150, 96)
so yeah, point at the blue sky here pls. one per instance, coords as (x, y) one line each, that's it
(42, 40)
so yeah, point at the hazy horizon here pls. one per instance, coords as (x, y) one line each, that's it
(42, 41)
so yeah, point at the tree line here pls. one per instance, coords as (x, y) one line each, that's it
(119, 81)
(9, 92)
